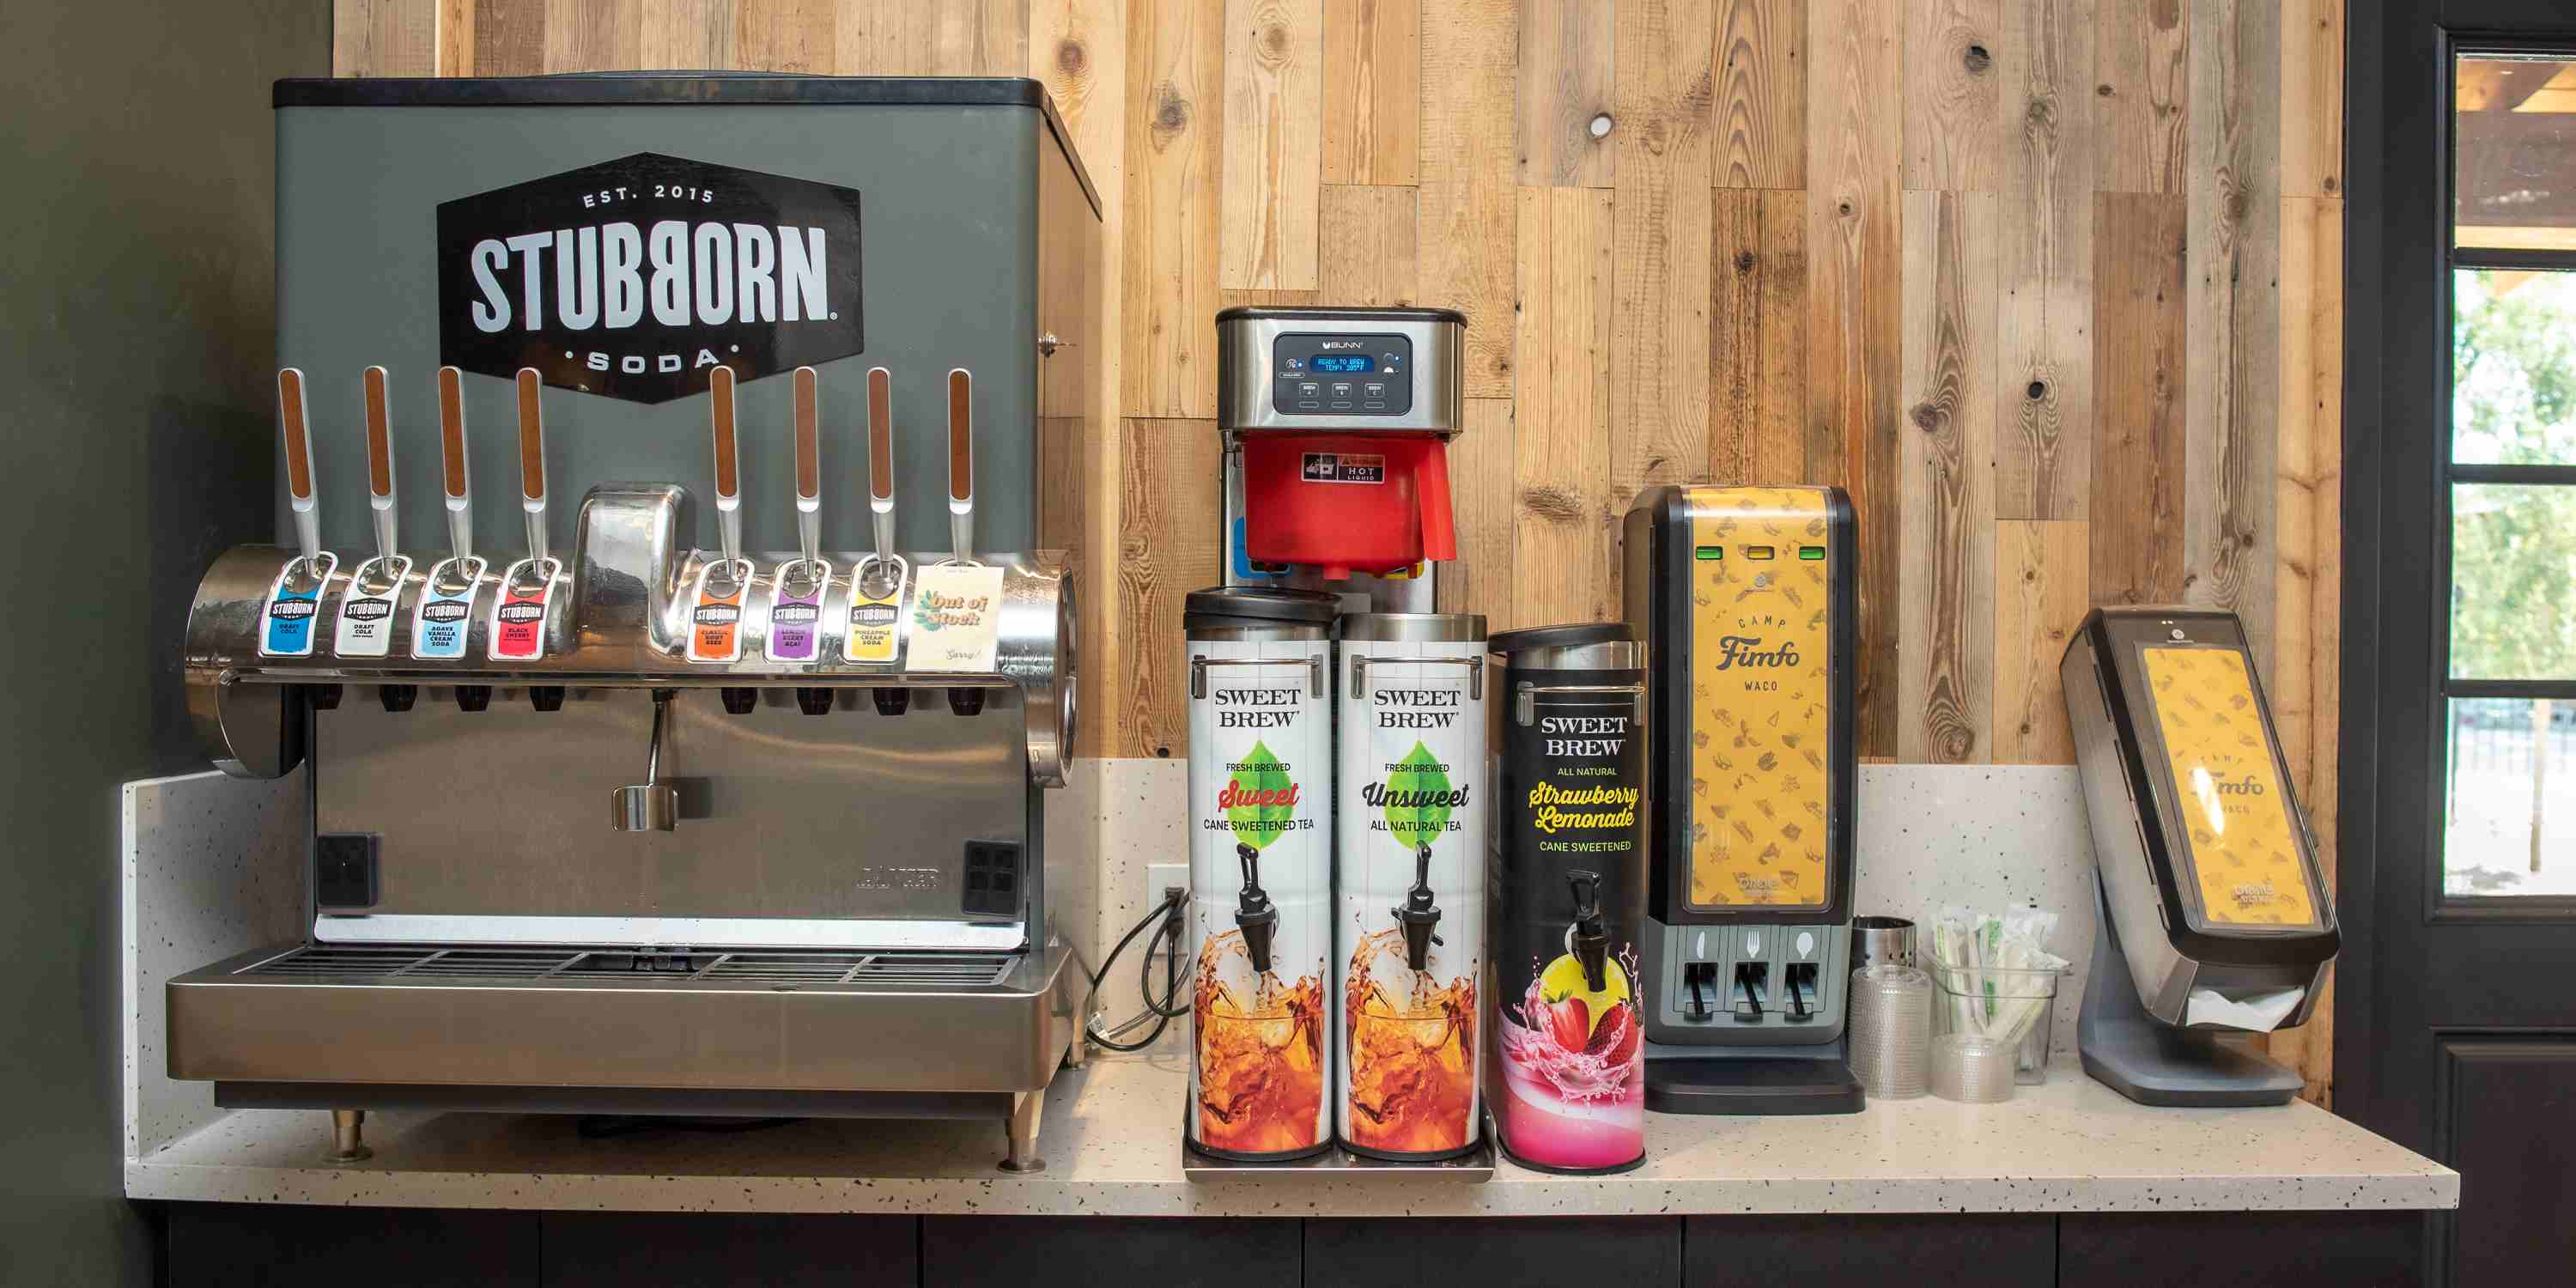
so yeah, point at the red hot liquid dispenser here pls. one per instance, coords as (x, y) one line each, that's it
(1337, 424)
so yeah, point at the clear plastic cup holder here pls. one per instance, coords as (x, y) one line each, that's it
(2017, 1006)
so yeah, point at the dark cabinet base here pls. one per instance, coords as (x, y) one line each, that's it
(257, 1245)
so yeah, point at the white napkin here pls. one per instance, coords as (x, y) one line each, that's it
(2253, 1010)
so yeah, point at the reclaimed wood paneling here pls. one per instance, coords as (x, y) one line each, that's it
(1568, 56)
(1562, 547)
(2043, 435)
(1371, 229)
(1168, 548)
(1662, 211)
(1945, 690)
(2311, 98)
(1954, 131)
(1762, 94)
(2141, 94)
(1175, 118)
(701, 33)
(911, 38)
(1758, 337)
(1274, 140)
(384, 37)
(594, 35)
(1372, 91)
(2040, 598)
(2138, 442)
(2232, 400)
(1469, 250)
(1481, 462)
(1854, 337)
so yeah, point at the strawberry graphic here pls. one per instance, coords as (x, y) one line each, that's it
(1569, 1022)
(1616, 1040)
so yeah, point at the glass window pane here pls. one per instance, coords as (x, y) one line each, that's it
(2513, 581)
(2516, 152)
(2509, 798)
(2513, 367)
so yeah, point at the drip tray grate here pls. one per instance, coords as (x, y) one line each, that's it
(614, 968)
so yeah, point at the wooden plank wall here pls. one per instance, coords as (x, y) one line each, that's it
(2051, 286)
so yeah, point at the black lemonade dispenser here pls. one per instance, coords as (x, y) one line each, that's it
(1748, 602)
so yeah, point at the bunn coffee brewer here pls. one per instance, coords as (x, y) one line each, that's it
(1748, 602)
(1337, 424)
(2215, 918)
(688, 801)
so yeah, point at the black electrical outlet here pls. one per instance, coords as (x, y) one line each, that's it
(344, 870)
(993, 879)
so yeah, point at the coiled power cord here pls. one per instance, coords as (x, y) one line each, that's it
(1168, 923)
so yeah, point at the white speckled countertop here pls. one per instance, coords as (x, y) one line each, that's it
(1108, 1138)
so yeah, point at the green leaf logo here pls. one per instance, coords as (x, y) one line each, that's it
(1417, 778)
(1259, 800)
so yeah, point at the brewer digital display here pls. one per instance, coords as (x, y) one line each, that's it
(1345, 362)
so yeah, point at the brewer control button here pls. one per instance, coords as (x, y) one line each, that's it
(1374, 389)
(1308, 406)
(1341, 389)
(1372, 406)
(1310, 390)
(1342, 406)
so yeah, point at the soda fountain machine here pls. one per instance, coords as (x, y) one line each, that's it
(820, 883)
(1747, 601)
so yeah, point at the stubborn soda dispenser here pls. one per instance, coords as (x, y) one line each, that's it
(1410, 866)
(1261, 870)
(1748, 601)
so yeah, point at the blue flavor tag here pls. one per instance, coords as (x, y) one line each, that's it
(286, 622)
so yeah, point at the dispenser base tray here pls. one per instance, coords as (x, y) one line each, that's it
(1476, 1164)
(800, 1026)
(1751, 1085)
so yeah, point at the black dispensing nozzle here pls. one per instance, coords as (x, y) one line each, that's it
(1418, 916)
(1591, 940)
(1254, 914)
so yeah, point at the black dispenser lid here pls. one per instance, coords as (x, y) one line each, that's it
(1574, 635)
(1263, 604)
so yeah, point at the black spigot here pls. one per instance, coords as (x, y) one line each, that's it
(1417, 915)
(1591, 940)
(740, 702)
(323, 697)
(398, 697)
(891, 702)
(814, 701)
(966, 702)
(546, 697)
(473, 697)
(1254, 914)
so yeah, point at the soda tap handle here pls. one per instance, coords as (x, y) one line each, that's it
(380, 459)
(299, 463)
(728, 483)
(881, 458)
(809, 464)
(451, 462)
(532, 458)
(961, 462)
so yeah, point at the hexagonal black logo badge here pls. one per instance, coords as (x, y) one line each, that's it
(633, 278)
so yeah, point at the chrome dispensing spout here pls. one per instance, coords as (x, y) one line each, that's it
(1254, 914)
(652, 805)
(1418, 915)
(1589, 940)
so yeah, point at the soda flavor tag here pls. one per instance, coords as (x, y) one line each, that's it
(286, 624)
(956, 616)
(439, 620)
(519, 612)
(715, 619)
(366, 617)
(796, 612)
(876, 617)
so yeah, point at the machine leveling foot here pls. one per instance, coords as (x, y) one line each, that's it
(346, 1143)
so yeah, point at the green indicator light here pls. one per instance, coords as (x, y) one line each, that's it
(1757, 552)
(1710, 552)
(1811, 552)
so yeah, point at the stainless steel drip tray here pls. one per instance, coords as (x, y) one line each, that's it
(574, 1016)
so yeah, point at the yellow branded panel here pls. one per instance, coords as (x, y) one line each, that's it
(2244, 854)
(1761, 617)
